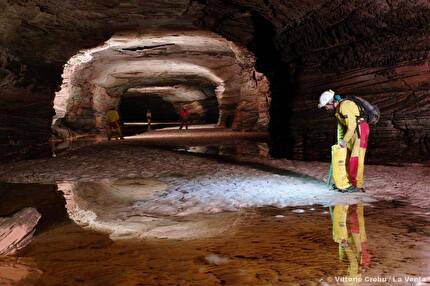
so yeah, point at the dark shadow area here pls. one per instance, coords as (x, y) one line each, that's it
(133, 108)
(45, 198)
(282, 87)
(210, 105)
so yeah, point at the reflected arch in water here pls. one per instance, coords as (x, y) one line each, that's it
(111, 206)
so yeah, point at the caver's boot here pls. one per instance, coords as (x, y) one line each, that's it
(351, 189)
(334, 188)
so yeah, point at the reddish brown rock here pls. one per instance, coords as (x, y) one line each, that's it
(301, 46)
(400, 92)
(192, 69)
(17, 231)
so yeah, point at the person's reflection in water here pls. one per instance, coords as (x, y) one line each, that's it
(350, 233)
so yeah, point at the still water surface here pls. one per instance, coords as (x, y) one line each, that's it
(308, 245)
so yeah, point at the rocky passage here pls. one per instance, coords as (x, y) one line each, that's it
(162, 207)
(376, 49)
(200, 71)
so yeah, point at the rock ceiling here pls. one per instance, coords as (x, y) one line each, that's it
(375, 48)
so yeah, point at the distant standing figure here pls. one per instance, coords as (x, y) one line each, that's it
(148, 119)
(184, 118)
(114, 126)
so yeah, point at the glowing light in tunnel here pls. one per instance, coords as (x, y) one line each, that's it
(148, 71)
(172, 93)
(154, 89)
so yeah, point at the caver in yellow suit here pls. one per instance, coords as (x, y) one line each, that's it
(348, 163)
(350, 233)
(114, 127)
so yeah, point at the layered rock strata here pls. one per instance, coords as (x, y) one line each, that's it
(192, 69)
(17, 231)
(302, 47)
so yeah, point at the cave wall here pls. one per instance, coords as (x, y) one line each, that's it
(25, 108)
(374, 49)
(402, 94)
(313, 45)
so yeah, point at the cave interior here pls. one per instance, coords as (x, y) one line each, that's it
(243, 197)
(245, 65)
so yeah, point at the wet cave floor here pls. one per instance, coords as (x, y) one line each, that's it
(253, 246)
(120, 213)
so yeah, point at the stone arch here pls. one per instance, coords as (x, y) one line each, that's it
(95, 79)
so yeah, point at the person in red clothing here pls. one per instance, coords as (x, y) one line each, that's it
(184, 118)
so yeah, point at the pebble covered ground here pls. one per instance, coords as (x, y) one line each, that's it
(186, 171)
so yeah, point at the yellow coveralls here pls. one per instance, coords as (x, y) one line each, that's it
(349, 231)
(348, 163)
(112, 117)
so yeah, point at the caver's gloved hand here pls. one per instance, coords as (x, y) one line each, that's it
(344, 243)
(342, 143)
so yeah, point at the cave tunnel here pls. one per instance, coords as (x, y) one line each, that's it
(133, 108)
(214, 200)
(136, 102)
(211, 77)
(259, 54)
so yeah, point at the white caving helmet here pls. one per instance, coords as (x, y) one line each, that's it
(326, 97)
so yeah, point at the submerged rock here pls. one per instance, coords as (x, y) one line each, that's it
(17, 231)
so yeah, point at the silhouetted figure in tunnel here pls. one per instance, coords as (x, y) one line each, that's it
(148, 119)
(185, 115)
